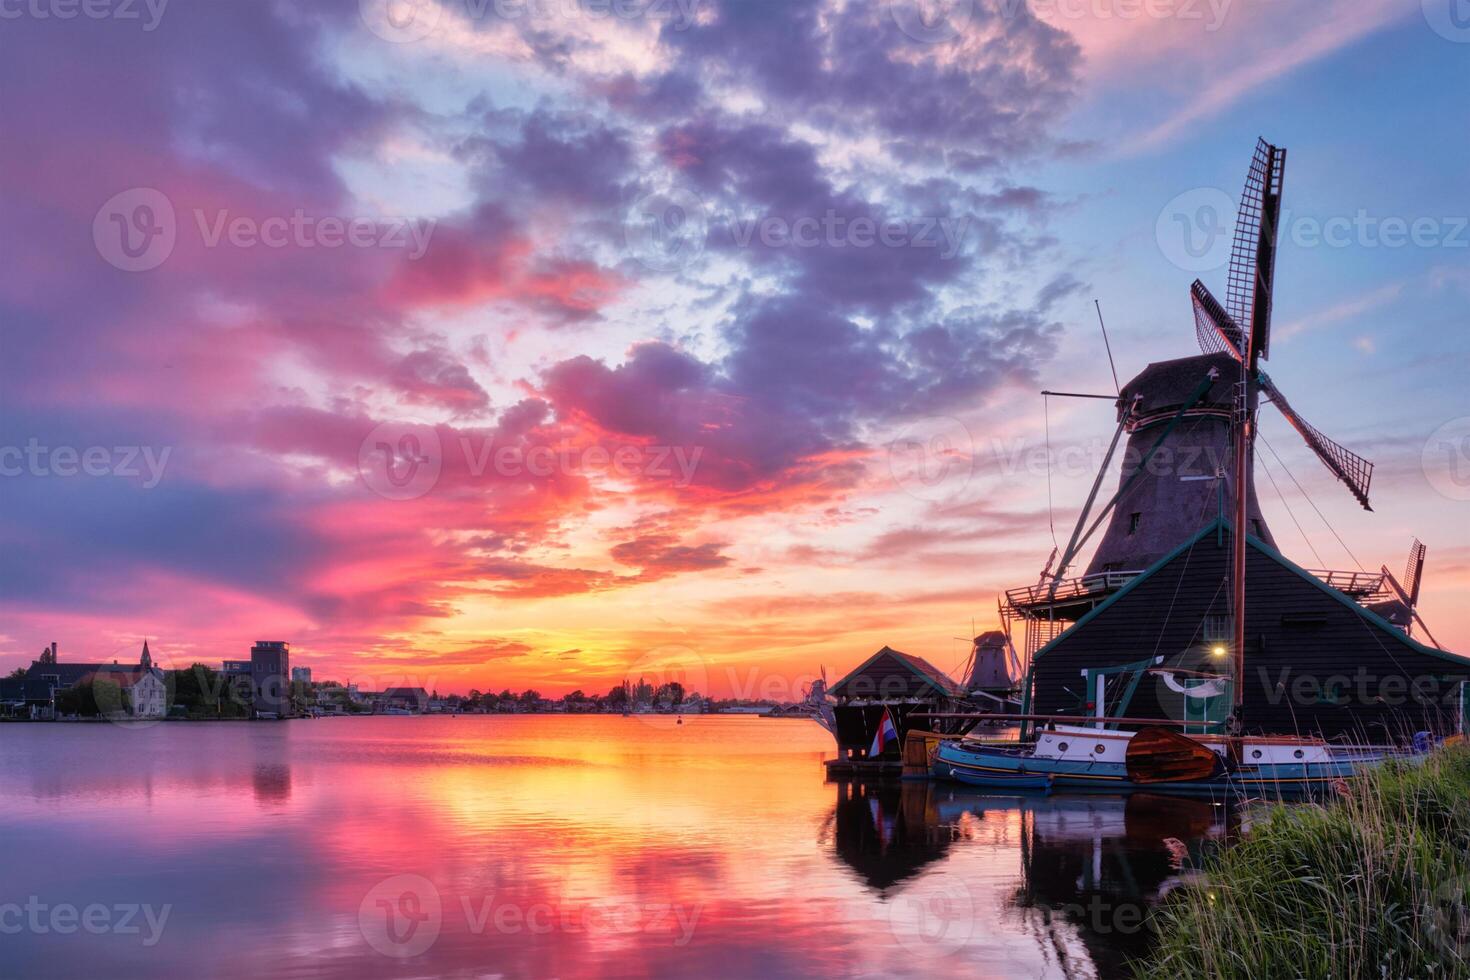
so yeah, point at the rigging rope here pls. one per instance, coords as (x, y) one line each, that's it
(1303, 490)
(1368, 627)
(1292, 514)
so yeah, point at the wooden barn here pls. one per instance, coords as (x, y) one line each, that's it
(1317, 662)
(891, 680)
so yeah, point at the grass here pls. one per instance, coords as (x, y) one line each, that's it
(1374, 884)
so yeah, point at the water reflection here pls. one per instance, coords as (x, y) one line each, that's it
(271, 782)
(1088, 868)
(556, 846)
(887, 832)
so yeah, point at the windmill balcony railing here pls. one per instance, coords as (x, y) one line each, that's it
(1363, 586)
(1047, 593)
(1359, 585)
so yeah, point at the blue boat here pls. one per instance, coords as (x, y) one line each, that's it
(1077, 757)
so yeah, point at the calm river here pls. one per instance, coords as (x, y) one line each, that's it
(550, 846)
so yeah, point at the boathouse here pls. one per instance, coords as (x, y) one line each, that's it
(1317, 662)
(900, 683)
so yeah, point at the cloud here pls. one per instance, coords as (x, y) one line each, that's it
(1325, 29)
(750, 384)
(659, 555)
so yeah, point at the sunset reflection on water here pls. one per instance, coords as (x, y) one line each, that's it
(556, 846)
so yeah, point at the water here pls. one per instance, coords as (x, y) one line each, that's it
(550, 846)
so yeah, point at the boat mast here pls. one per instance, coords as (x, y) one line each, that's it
(1244, 459)
(1252, 273)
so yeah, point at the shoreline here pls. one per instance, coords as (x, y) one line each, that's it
(1375, 882)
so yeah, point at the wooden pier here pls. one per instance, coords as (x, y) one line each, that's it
(864, 768)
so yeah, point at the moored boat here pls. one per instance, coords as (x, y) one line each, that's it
(1077, 757)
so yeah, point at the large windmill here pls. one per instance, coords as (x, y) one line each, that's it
(1191, 424)
(1165, 595)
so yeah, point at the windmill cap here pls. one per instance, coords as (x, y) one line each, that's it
(1165, 386)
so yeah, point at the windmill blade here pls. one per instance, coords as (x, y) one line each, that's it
(1346, 465)
(1252, 273)
(1218, 333)
(1414, 571)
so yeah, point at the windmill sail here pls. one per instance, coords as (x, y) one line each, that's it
(1352, 469)
(1218, 333)
(1414, 571)
(1253, 253)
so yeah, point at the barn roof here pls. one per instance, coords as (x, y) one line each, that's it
(1223, 524)
(921, 668)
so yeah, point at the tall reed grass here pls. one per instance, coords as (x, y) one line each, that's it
(1374, 883)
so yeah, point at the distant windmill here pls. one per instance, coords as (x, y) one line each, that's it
(993, 667)
(1403, 612)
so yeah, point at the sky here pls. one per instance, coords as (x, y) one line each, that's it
(540, 343)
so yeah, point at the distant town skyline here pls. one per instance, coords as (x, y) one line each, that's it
(557, 349)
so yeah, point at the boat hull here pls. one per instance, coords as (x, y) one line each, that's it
(1019, 768)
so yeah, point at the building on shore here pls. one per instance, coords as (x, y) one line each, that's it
(300, 675)
(270, 673)
(142, 688)
(894, 683)
(414, 699)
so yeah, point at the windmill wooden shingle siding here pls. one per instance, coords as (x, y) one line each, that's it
(1316, 661)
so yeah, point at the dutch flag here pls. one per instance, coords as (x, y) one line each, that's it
(886, 733)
